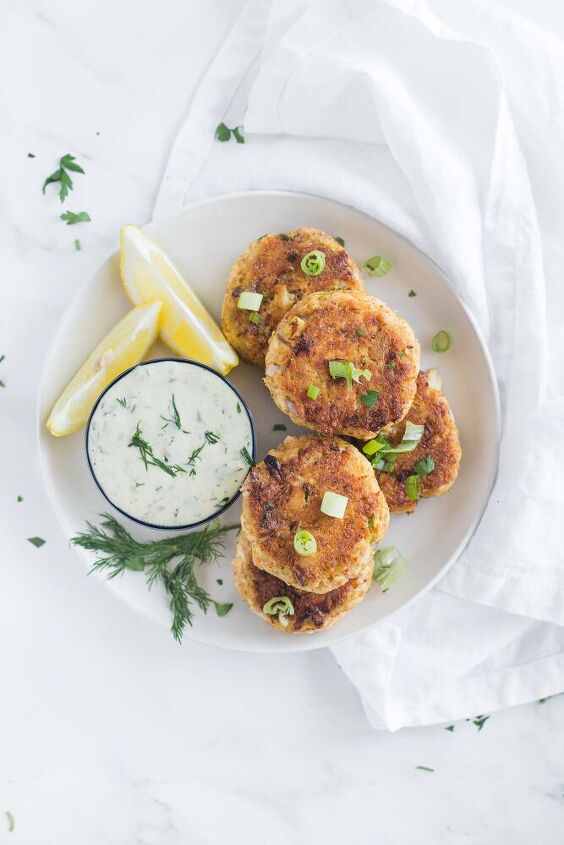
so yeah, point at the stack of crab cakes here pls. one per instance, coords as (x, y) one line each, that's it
(343, 364)
(312, 510)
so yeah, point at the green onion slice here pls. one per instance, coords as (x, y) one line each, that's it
(348, 371)
(249, 300)
(339, 239)
(333, 504)
(369, 398)
(424, 466)
(413, 487)
(312, 392)
(280, 606)
(305, 543)
(313, 263)
(377, 266)
(375, 445)
(389, 566)
(254, 317)
(441, 342)
(412, 435)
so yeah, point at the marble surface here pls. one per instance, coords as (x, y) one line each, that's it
(110, 733)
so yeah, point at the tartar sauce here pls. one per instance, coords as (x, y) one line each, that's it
(169, 443)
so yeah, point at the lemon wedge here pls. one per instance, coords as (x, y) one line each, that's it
(122, 348)
(147, 274)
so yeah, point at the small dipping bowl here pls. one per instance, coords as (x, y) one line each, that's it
(169, 443)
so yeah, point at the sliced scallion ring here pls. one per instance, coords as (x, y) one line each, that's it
(413, 487)
(377, 266)
(280, 606)
(249, 300)
(374, 446)
(333, 504)
(411, 437)
(441, 342)
(305, 543)
(313, 263)
(312, 392)
(389, 566)
(424, 466)
(348, 371)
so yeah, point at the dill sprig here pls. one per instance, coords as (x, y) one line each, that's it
(170, 562)
(147, 456)
(175, 416)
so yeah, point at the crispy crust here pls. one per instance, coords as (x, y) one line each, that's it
(345, 326)
(271, 266)
(440, 442)
(312, 612)
(283, 494)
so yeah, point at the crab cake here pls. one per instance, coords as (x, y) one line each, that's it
(435, 459)
(343, 363)
(311, 611)
(283, 494)
(272, 266)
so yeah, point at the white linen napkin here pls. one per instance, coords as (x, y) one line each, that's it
(450, 130)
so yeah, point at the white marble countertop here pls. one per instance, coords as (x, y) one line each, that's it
(109, 732)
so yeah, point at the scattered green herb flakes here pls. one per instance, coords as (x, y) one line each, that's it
(246, 457)
(36, 541)
(175, 416)
(223, 502)
(121, 552)
(424, 769)
(282, 236)
(441, 342)
(339, 240)
(377, 266)
(71, 217)
(369, 398)
(424, 466)
(9, 817)
(392, 365)
(238, 407)
(222, 609)
(360, 331)
(224, 133)
(61, 176)
(2, 383)
(147, 456)
(279, 427)
(449, 728)
(480, 721)
(122, 402)
(254, 317)
(30, 155)
(412, 293)
(77, 245)
(312, 392)
(211, 437)
(219, 581)
(348, 371)
(19, 499)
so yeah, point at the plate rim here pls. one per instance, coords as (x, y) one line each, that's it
(306, 643)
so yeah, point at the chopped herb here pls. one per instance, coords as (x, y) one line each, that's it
(77, 245)
(219, 581)
(2, 383)
(19, 499)
(36, 541)
(312, 392)
(413, 488)
(449, 728)
(222, 502)
(401, 354)
(543, 700)
(238, 408)
(424, 466)
(2, 357)
(369, 398)
(224, 133)
(9, 816)
(122, 552)
(147, 456)
(339, 240)
(222, 609)
(66, 163)
(441, 342)
(412, 293)
(424, 769)
(70, 217)
(377, 266)
(279, 427)
(480, 721)
(175, 419)
(348, 371)
(390, 565)
(392, 364)
(254, 317)
(211, 437)
(246, 457)
(30, 155)
(360, 331)
(282, 236)
(194, 457)
(122, 402)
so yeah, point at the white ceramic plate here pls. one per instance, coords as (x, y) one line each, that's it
(203, 240)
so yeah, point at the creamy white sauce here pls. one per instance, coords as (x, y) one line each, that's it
(204, 453)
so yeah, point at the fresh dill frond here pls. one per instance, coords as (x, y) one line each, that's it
(211, 437)
(175, 419)
(170, 562)
(246, 456)
(147, 456)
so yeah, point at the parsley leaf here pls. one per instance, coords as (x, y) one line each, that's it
(412, 293)
(66, 163)
(36, 541)
(71, 217)
(369, 398)
(224, 133)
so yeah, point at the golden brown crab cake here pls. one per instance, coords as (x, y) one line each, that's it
(312, 611)
(440, 443)
(283, 494)
(375, 346)
(271, 266)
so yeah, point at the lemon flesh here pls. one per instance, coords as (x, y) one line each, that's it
(186, 327)
(122, 348)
